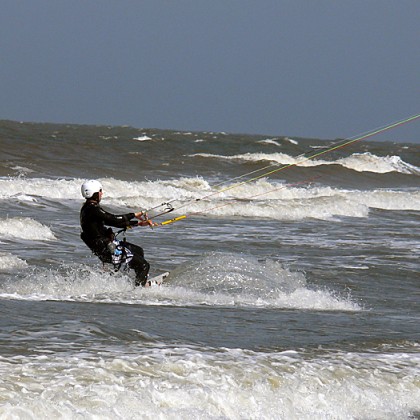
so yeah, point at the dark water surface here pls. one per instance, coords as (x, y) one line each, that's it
(294, 295)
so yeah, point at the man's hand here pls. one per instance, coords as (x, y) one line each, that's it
(144, 219)
(147, 222)
(141, 215)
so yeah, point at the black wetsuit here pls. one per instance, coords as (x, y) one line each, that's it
(96, 236)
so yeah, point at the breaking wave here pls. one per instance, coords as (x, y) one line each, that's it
(360, 162)
(194, 196)
(25, 228)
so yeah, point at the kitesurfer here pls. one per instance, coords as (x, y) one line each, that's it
(101, 240)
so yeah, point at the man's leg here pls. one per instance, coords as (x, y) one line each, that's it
(138, 263)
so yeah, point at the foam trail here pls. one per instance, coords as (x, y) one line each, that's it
(214, 280)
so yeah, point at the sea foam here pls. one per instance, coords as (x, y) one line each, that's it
(198, 382)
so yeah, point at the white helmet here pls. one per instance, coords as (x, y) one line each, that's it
(90, 187)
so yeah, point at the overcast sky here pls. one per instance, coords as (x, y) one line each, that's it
(314, 68)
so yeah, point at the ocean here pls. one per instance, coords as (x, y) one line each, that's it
(293, 290)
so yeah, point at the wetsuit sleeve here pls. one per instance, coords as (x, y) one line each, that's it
(119, 221)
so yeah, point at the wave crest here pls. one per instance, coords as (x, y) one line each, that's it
(25, 228)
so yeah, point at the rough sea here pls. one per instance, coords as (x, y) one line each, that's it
(294, 293)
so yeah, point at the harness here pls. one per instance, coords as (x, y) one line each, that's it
(112, 251)
(120, 254)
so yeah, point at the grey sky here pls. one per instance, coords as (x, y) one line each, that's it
(314, 68)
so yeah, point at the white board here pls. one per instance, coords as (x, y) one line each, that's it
(158, 280)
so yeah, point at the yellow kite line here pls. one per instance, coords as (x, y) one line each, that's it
(345, 143)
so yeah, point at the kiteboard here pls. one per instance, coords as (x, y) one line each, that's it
(158, 280)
